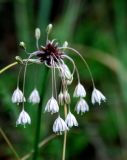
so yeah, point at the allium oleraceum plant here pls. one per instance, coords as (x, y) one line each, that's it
(54, 57)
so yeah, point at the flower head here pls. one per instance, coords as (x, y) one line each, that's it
(52, 106)
(71, 120)
(17, 96)
(79, 91)
(54, 56)
(34, 97)
(23, 118)
(48, 54)
(59, 126)
(97, 96)
(82, 106)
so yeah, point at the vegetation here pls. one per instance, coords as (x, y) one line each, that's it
(98, 29)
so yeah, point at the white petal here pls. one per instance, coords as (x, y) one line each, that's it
(97, 96)
(79, 91)
(34, 97)
(23, 118)
(71, 120)
(17, 96)
(59, 125)
(82, 106)
(52, 106)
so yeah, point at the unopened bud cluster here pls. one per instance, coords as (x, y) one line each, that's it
(54, 57)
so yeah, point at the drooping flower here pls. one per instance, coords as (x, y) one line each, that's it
(82, 106)
(97, 96)
(23, 118)
(71, 120)
(79, 91)
(17, 96)
(52, 106)
(59, 126)
(34, 97)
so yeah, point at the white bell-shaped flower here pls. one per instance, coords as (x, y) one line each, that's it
(52, 106)
(82, 106)
(79, 91)
(23, 118)
(34, 97)
(17, 96)
(97, 96)
(71, 120)
(59, 126)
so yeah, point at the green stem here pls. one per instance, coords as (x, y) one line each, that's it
(65, 136)
(37, 135)
(8, 66)
(9, 144)
(39, 113)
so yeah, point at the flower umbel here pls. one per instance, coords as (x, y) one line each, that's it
(56, 58)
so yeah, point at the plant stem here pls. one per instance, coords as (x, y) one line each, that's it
(41, 144)
(37, 136)
(9, 144)
(65, 135)
(8, 66)
(39, 113)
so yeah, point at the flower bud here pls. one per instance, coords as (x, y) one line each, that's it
(19, 59)
(49, 28)
(65, 44)
(22, 44)
(37, 33)
(61, 98)
(67, 97)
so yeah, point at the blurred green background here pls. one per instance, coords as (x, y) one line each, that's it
(98, 29)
